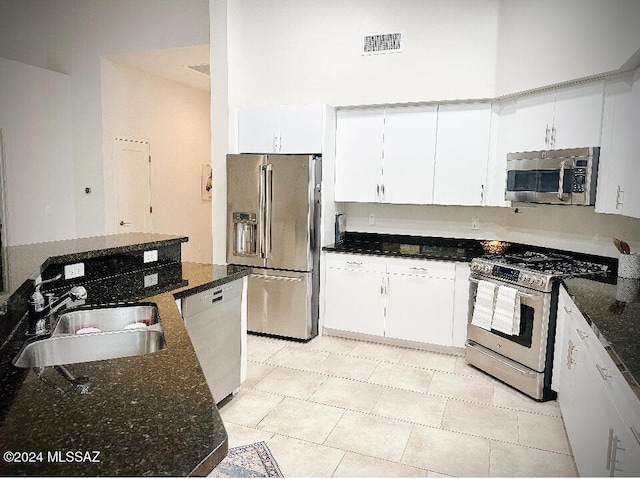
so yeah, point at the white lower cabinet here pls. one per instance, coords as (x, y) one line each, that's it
(407, 299)
(353, 292)
(599, 408)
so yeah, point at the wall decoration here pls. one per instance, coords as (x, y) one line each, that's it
(205, 182)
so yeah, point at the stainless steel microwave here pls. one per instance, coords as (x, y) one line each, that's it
(559, 177)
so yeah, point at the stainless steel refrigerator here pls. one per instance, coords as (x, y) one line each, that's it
(273, 225)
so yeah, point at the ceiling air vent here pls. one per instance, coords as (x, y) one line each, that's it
(381, 43)
(204, 68)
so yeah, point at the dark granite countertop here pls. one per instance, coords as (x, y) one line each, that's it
(422, 247)
(616, 323)
(145, 415)
(24, 262)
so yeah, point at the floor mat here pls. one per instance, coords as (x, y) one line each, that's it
(252, 460)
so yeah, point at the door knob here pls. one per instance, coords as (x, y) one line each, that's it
(124, 223)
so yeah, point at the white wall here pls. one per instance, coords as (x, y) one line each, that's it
(545, 42)
(309, 52)
(220, 120)
(35, 116)
(175, 120)
(70, 36)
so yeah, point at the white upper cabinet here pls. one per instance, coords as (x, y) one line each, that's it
(358, 169)
(619, 169)
(409, 153)
(385, 154)
(413, 154)
(577, 116)
(532, 124)
(296, 129)
(568, 117)
(462, 154)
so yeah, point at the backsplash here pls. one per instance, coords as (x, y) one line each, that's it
(577, 228)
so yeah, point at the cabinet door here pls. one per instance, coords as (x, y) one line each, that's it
(257, 129)
(631, 206)
(300, 129)
(616, 192)
(462, 154)
(358, 166)
(584, 406)
(354, 301)
(577, 116)
(409, 154)
(533, 122)
(419, 308)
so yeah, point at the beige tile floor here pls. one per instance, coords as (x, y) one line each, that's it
(346, 408)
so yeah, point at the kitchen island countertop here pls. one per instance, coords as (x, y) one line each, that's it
(143, 415)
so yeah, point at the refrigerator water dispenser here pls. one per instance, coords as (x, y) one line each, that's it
(245, 228)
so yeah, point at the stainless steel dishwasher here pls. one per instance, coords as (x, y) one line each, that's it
(213, 321)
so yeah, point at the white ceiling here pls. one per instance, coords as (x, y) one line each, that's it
(171, 64)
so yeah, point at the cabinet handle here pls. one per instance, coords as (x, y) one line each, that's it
(546, 137)
(553, 137)
(635, 434)
(378, 192)
(604, 372)
(612, 453)
(354, 263)
(482, 195)
(619, 197)
(582, 334)
(415, 268)
(570, 349)
(568, 310)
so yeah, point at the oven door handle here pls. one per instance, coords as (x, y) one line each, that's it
(561, 181)
(525, 295)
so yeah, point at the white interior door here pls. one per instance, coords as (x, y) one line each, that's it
(133, 185)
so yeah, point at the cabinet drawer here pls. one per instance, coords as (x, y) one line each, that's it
(361, 262)
(421, 267)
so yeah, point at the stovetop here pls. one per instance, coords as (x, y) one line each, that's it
(533, 269)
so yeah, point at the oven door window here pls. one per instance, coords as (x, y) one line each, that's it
(539, 181)
(525, 337)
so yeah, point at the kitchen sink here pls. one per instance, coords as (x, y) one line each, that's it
(94, 333)
(70, 349)
(103, 318)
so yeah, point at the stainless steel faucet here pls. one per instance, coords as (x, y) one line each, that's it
(40, 311)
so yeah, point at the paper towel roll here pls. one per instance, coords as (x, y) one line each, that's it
(628, 290)
(629, 266)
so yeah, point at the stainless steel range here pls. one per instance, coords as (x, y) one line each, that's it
(511, 329)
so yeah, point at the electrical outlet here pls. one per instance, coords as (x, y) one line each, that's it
(150, 280)
(150, 256)
(75, 270)
(475, 224)
(372, 219)
(48, 210)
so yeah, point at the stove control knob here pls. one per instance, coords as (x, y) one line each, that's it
(488, 268)
(524, 278)
(540, 282)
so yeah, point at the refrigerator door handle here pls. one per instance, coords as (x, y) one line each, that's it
(261, 208)
(268, 206)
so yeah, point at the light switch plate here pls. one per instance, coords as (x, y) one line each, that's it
(75, 270)
(150, 256)
(150, 280)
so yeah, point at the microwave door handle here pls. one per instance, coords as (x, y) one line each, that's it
(561, 181)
